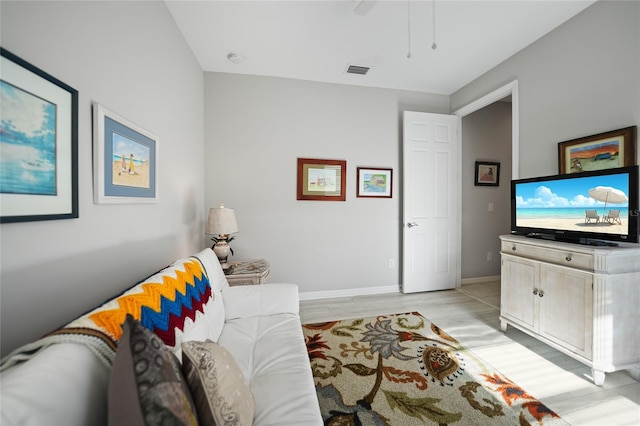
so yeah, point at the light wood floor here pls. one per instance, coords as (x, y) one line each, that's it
(470, 315)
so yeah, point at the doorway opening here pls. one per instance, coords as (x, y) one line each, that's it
(489, 133)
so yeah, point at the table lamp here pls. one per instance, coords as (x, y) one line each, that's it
(222, 221)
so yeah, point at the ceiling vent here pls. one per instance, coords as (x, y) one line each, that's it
(357, 69)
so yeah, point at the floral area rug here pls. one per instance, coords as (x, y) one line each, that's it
(401, 369)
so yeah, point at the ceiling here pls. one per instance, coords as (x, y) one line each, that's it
(317, 40)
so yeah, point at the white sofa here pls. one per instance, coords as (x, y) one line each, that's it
(66, 382)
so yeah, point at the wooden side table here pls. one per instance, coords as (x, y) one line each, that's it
(247, 272)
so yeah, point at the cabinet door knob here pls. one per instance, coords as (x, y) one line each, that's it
(535, 291)
(513, 248)
(540, 293)
(568, 258)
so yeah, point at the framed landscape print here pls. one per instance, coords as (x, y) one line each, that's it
(321, 180)
(487, 173)
(38, 144)
(125, 160)
(607, 150)
(374, 182)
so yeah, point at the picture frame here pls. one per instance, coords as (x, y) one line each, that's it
(125, 160)
(39, 144)
(374, 182)
(487, 173)
(321, 180)
(616, 148)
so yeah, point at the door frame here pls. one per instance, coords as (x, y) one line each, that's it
(509, 89)
(496, 95)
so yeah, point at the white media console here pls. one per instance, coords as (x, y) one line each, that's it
(582, 300)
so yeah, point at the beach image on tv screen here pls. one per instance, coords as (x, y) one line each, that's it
(597, 204)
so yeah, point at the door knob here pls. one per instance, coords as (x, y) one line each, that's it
(412, 224)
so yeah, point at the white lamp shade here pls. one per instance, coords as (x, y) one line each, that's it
(222, 221)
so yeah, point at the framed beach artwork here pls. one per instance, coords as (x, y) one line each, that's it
(607, 150)
(321, 180)
(125, 160)
(487, 173)
(38, 144)
(374, 182)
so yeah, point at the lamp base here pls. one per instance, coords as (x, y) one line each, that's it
(222, 250)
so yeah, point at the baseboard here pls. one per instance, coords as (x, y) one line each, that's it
(478, 280)
(313, 295)
(365, 291)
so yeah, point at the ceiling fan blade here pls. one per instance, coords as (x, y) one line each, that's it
(364, 6)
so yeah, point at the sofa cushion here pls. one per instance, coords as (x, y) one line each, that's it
(63, 384)
(219, 389)
(259, 300)
(272, 355)
(146, 386)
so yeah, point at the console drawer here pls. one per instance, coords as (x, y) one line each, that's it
(567, 258)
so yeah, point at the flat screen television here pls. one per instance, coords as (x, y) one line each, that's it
(597, 207)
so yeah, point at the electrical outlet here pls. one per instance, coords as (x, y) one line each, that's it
(489, 256)
(392, 263)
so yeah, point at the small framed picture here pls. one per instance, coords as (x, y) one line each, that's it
(487, 173)
(374, 182)
(125, 160)
(321, 180)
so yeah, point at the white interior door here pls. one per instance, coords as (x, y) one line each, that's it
(431, 158)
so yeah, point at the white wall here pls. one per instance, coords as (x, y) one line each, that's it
(581, 79)
(257, 127)
(486, 136)
(130, 57)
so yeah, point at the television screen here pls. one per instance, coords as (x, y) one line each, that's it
(600, 204)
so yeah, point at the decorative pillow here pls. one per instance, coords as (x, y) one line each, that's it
(219, 390)
(146, 385)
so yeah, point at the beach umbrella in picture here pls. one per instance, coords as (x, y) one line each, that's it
(607, 194)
